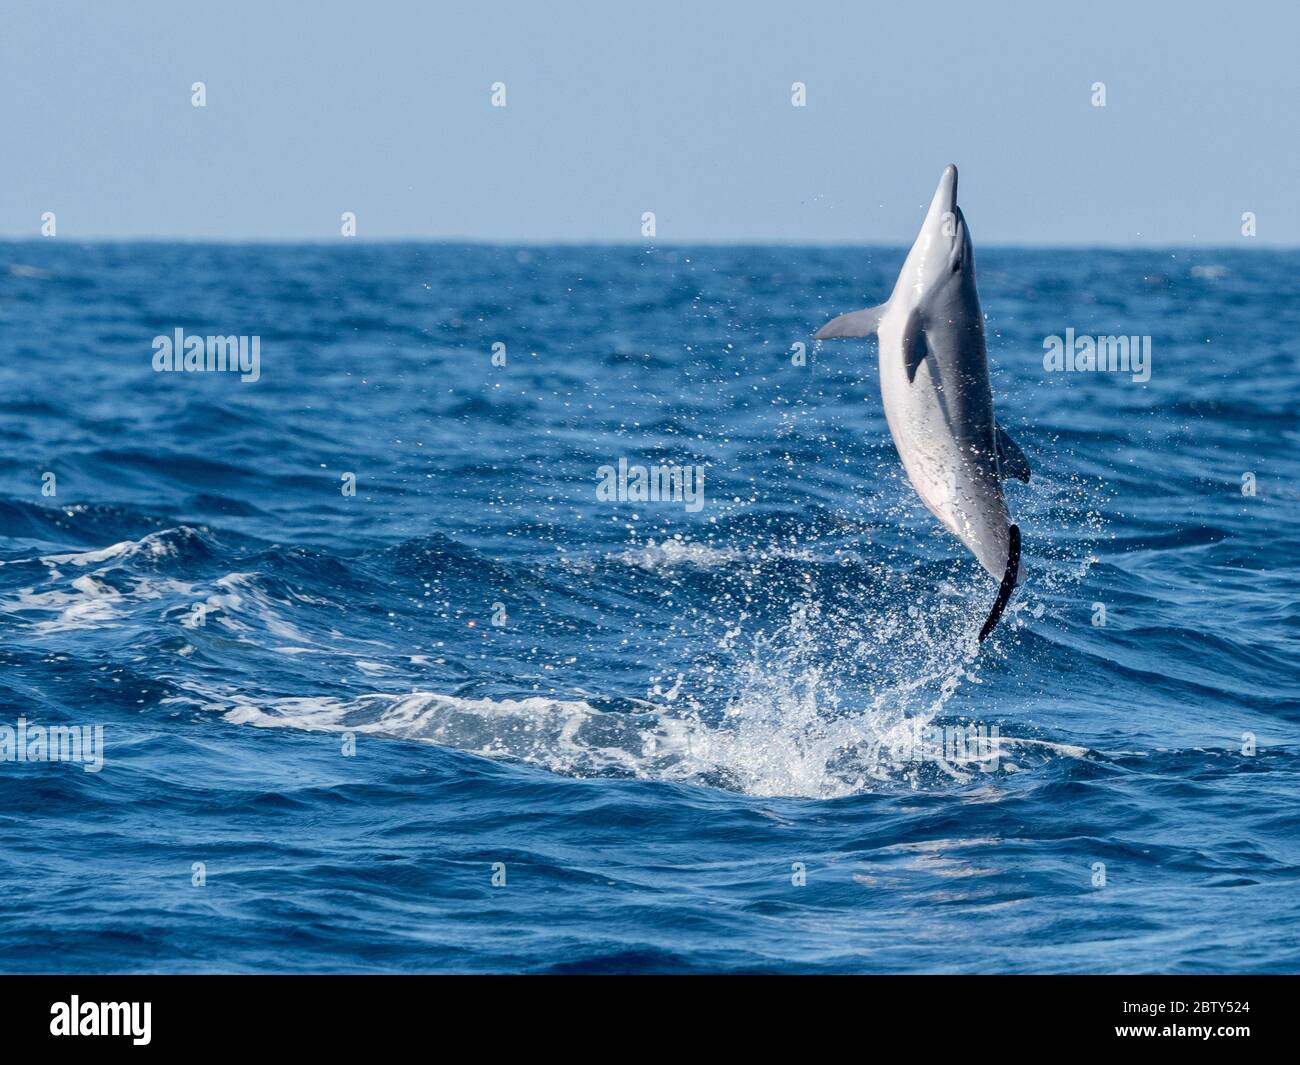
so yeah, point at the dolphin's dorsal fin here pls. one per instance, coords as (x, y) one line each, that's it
(854, 324)
(914, 346)
(1011, 460)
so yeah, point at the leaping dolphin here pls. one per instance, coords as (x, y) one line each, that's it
(934, 379)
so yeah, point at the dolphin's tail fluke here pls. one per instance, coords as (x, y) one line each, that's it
(1008, 583)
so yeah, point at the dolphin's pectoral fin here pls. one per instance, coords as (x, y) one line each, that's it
(854, 324)
(914, 346)
(1011, 460)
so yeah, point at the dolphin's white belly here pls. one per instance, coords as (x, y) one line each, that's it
(956, 479)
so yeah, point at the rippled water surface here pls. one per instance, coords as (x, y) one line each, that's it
(704, 739)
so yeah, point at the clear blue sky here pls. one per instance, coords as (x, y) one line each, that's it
(383, 108)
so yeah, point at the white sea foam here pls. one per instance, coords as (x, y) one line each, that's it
(818, 705)
(679, 553)
(155, 545)
(657, 557)
(86, 602)
(787, 730)
(794, 754)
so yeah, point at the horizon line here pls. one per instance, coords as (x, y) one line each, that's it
(235, 241)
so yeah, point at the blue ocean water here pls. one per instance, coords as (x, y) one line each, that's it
(474, 718)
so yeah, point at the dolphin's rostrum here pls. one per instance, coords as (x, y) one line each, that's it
(934, 379)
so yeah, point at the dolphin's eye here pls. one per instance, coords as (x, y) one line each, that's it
(956, 264)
